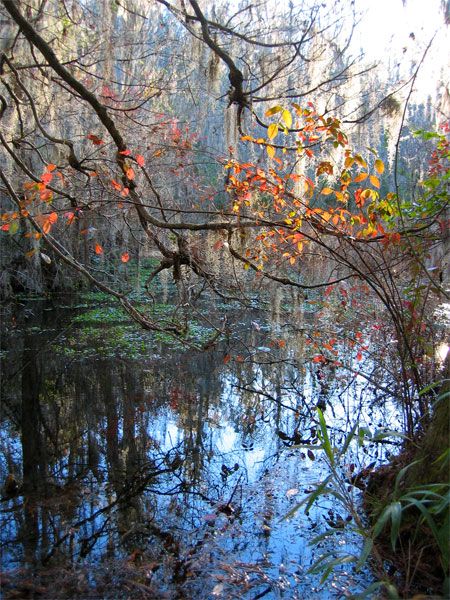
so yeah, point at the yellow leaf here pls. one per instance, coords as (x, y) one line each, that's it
(272, 131)
(379, 166)
(374, 181)
(273, 111)
(349, 162)
(326, 191)
(287, 118)
(359, 159)
(270, 151)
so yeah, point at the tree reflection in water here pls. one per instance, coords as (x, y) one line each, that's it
(166, 476)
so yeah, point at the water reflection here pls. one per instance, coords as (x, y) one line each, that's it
(180, 466)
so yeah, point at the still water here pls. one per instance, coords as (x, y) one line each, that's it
(133, 468)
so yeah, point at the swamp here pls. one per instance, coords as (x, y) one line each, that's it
(224, 299)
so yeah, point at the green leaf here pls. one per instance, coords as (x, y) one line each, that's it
(400, 476)
(431, 386)
(381, 434)
(325, 439)
(348, 439)
(396, 519)
(367, 549)
(323, 536)
(382, 521)
(13, 227)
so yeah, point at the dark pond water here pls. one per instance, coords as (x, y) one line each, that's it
(135, 468)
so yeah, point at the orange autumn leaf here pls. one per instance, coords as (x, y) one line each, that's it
(129, 173)
(98, 249)
(125, 257)
(140, 160)
(326, 191)
(29, 185)
(45, 195)
(46, 227)
(374, 181)
(379, 166)
(51, 167)
(360, 177)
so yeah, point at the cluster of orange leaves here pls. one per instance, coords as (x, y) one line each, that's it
(267, 194)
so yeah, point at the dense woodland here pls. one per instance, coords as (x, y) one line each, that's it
(185, 164)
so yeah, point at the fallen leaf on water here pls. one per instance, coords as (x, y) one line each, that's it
(218, 589)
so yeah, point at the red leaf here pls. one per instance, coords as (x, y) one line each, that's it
(318, 358)
(226, 359)
(125, 152)
(140, 160)
(359, 355)
(125, 192)
(98, 249)
(95, 140)
(5, 227)
(51, 167)
(116, 185)
(125, 257)
(218, 245)
(46, 178)
(52, 217)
